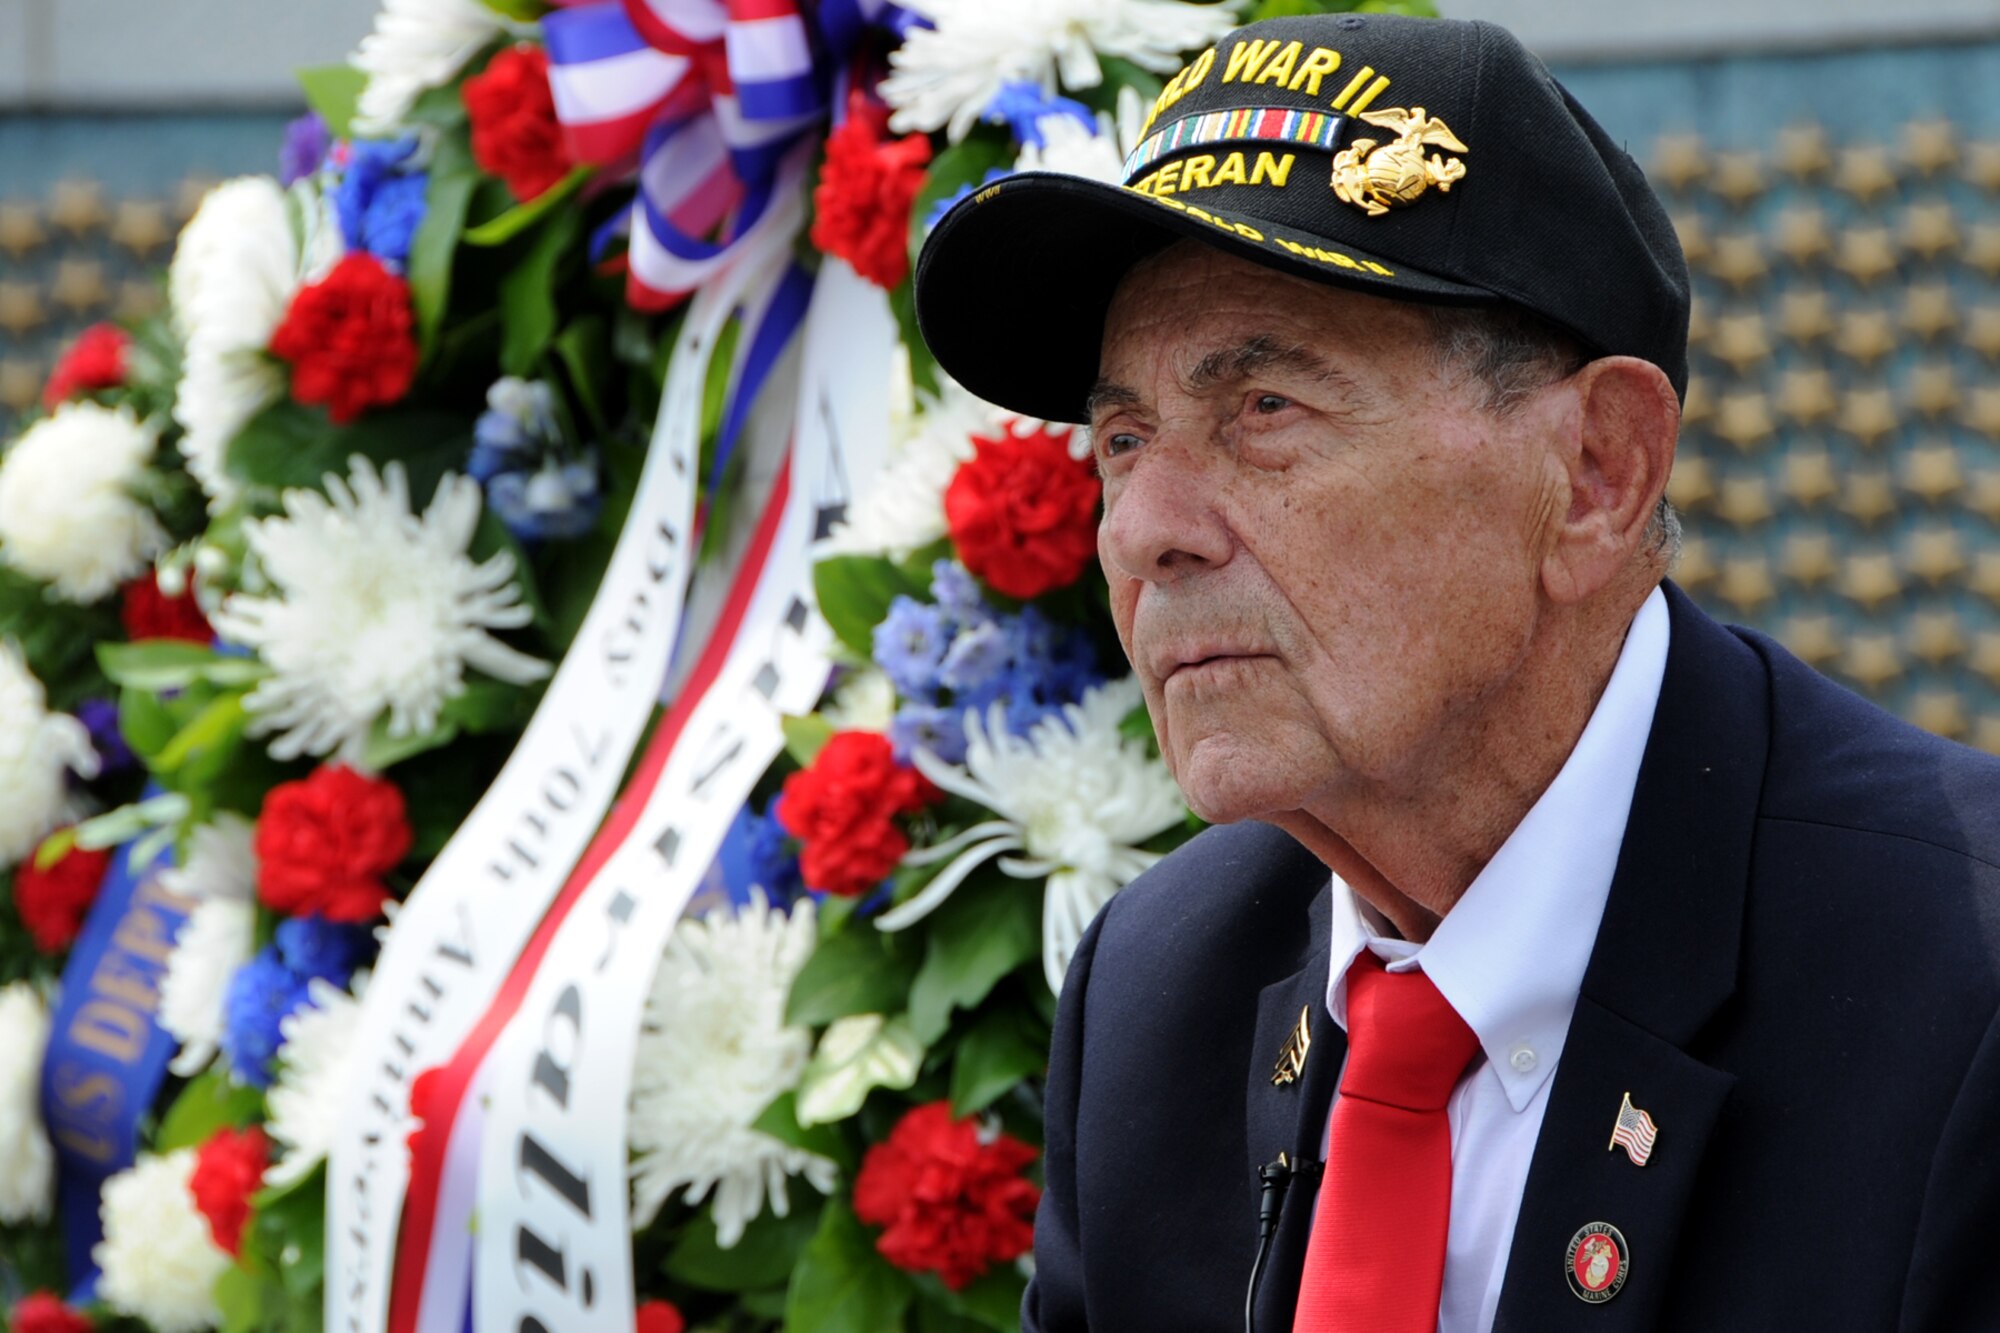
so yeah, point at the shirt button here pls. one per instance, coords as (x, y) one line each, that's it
(1522, 1057)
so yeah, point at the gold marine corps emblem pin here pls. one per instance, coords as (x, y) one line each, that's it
(1378, 177)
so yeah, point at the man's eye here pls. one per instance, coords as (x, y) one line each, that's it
(1267, 403)
(1118, 443)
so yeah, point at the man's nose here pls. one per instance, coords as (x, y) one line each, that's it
(1160, 518)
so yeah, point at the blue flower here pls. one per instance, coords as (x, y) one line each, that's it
(100, 718)
(259, 996)
(394, 215)
(304, 149)
(378, 204)
(978, 654)
(954, 589)
(312, 946)
(1022, 104)
(773, 863)
(910, 645)
(518, 423)
(920, 726)
(556, 501)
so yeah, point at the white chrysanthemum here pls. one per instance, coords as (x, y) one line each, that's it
(1075, 795)
(901, 509)
(38, 752)
(221, 861)
(220, 936)
(69, 512)
(865, 701)
(27, 1162)
(416, 46)
(945, 76)
(234, 272)
(315, 1067)
(160, 1263)
(714, 1052)
(376, 611)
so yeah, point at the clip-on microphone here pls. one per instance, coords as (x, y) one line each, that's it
(1274, 1178)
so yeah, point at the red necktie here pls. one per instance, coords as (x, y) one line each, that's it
(1375, 1263)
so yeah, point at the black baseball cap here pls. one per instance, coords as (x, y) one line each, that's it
(1427, 160)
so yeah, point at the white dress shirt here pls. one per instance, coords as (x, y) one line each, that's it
(1510, 957)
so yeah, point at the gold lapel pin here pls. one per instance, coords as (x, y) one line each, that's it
(1634, 1132)
(1292, 1057)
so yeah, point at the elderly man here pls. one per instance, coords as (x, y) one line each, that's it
(1653, 985)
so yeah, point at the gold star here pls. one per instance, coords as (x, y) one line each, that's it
(1866, 253)
(1982, 331)
(1928, 309)
(1985, 580)
(1868, 415)
(1696, 567)
(1865, 171)
(1737, 259)
(1936, 637)
(1931, 472)
(20, 230)
(79, 285)
(1985, 497)
(1801, 234)
(1744, 419)
(1982, 165)
(1986, 657)
(20, 384)
(141, 227)
(139, 299)
(1694, 235)
(1870, 580)
(1982, 413)
(1935, 554)
(189, 194)
(21, 309)
(1740, 340)
(1700, 404)
(1982, 248)
(77, 206)
(1805, 316)
(1808, 477)
(1933, 389)
(1738, 177)
(1679, 160)
(1940, 712)
(1691, 482)
(1746, 584)
(1810, 558)
(1812, 639)
(1868, 498)
(1872, 661)
(1802, 151)
(1929, 230)
(1866, 336)
(1806, 396)
(1930, 145)
(1745, 502)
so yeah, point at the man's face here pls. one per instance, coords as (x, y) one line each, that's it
(1324, 554)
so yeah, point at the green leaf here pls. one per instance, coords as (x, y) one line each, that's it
(528, 297)
(781, 1121)
(333, 91)
(214, 731)
(854, 972)
(857, 1055)
(854, 595)
(985, 930)
(585, 350)
(291, 1229)
(993, 1301)
(287, 445)
(145, 722)
(763, 1256)
(446, 199)
(172, 664)
(804, 737)
(841, 1284)
(521, 11)
(245, 1300)
(210, 1101)
(519, 218)
(999, 1050)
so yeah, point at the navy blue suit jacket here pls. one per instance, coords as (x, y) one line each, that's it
(1797, 976)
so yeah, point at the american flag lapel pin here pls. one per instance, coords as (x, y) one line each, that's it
(1634, 1132)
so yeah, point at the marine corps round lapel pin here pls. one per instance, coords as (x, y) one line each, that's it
(1597, 1263)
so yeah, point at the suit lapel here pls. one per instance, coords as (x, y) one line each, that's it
(1291, 1118)
(1664, 963)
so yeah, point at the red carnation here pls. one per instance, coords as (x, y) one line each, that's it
(1023, 512)
(54, 902)
(515, 134)
(325, 841)
(96, 360)
(44, 1312)
(862, 204)
(348, 337)
(660, 1317)
(149, 613)
(844, 808)
(951, 1204)
(228, 1169)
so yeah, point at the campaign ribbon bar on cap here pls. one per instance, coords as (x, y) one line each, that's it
(1249, 124)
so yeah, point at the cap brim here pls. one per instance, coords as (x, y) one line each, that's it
(1013, 285)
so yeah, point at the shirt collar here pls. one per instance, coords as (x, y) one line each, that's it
(1510, 955)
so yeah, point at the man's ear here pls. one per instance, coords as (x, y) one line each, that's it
(1627, 419)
